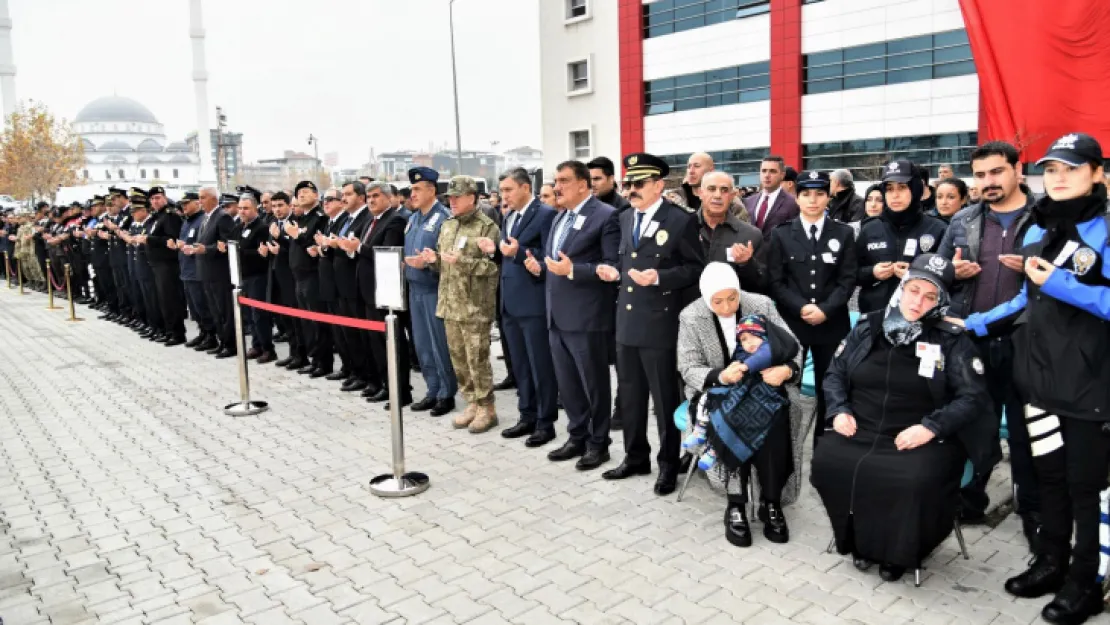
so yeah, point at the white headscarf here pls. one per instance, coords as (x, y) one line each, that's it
(717, 277)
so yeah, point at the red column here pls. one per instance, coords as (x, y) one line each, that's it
(786, 80)
(630, 25)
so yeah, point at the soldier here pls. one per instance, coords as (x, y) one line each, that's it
(464, 258)
(812, 267)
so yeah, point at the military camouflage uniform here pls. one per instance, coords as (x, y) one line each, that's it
(25, 252)
(467, 297)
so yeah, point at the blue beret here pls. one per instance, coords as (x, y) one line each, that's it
(423, 174)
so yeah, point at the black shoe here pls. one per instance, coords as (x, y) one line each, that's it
(861, 563)
(253, 353)
(667, 480)
(338, 375)
(540, 438)
(592, 459)
(684, 463)
(146, 334)
(442, 407)
(570, 449)
(174, 341)
(226, 353)
(382, 394)
(774, 523)
(354, 384)
(626, 470)
(424, 404)
(1074, 604)
(207, 344)
(1031, 527)
(160, 338)
(298, 363)
(281, 338)
(506, 384)
(522, 428)
(737, 530)
(216, 348)
(284, 362)
(318, 372)
(266, 357)
(307, 370)
(1046, 575)
(405, 401)
(196, 340)
(891, 573)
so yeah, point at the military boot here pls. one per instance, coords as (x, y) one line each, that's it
(464, 419)
(485, 420)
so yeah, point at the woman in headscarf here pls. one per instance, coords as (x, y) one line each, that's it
(908, 405)
(706, 341)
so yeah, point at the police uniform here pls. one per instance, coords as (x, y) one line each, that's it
(814, 263)
(664, 238)
(896, 236)
(165, 226)
(99, 255)
(428, 333)
(467, 303)
(144, 274)
(118, 259)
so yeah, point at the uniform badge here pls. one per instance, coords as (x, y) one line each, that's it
(632, 160)
(977, 365)
(840, 348)
(661, 238)
(834, 245)
(416, 177)
(1083, 259)
(926, 242)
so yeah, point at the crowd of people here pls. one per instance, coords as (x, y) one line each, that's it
(974, 303)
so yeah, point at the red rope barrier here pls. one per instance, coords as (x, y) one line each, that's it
(361, 324)
(56, 287)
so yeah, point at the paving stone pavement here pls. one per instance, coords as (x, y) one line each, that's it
(126, 496)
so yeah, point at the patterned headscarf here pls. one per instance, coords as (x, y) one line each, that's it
(899, 330)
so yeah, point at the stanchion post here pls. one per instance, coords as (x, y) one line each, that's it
(399, 483)
(245, 407)
(19, 273)
(8, 269)
(69, 295)
(50, 288)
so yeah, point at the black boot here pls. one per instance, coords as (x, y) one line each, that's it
(1031, 527)
(737, 530)
(1045, 575)
(1075, 603)
(774, 522)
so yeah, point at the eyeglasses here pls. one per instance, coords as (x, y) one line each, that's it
(639, 184)
(330, 199)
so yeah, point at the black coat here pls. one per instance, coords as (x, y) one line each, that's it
(250, 236)
(801, 275)
(301, 263)
(881, 241)
(388, 232)
(345, 267)
(220, 227)
(846, 206)
(326, 271)
(648, 316)
(164, 226)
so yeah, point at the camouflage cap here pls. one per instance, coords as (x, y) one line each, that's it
(462, 185)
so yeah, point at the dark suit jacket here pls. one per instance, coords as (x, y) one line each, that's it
(800, 275)
(303, 265)
(345, 267)
(163, 227)
(584, 303)
(328, 292)
(648, 316)
(250, 236)
(525, 295)
(785, 209)
(213, 266)
(389, 232)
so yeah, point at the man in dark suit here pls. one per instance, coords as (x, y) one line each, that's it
(252, 234)
(330, 338)
(660, 258)
(386, 229)
(343, 246)
(772, 205)
(216, 228)
(812, 265)
(306, 221)
(522, 313)
(580, 311)
(279, 250)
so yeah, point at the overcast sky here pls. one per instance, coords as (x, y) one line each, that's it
(355, 73)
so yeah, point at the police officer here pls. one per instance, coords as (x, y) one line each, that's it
(161, 249)
(116, 220)
(660, 256)
(1060, 350)
(141, 274)
(812, 266)
(886, 246)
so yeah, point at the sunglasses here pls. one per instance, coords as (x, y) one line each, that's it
(639, 184)
(330, 199)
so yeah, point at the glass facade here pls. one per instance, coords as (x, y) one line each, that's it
(939, 55)
(717, 87)
(865, 157)
(674, 16)
(742, 164)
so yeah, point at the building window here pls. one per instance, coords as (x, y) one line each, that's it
(940, 55)
(121, 176)
(578, 76)
(142, 174)
(577, 9)
(580, 145)
(674, 16)
(718, 87)
(865, 157)
(156, 174)
(175, 174)
(742, 164)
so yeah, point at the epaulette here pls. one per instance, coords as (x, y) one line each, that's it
(950, 327)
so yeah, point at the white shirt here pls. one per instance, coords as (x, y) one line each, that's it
(568, 220)
(648, 215)
(806, 225)
(728, 328)
(515, 218)
(771, 198)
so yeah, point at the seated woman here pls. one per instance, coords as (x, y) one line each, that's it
(906, 395)
(707, 340)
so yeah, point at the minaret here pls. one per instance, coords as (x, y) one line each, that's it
(200, 92)
(7, 63)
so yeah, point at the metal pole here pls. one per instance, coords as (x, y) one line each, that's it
(69, 294)
(50, 288)
(19, 272)
(398, 483)
(455, 85)
(245, 407)
(8, 269)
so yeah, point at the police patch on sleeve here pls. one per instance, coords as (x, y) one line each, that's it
(977, 365)
(840, 348)
(1083, 259)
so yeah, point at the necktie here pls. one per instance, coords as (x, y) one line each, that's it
(369, 231)
(813, 237)
(761, 211)
(636, 230)
(563, 232)
(513, 218)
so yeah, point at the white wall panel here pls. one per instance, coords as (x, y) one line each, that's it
(836, 24)
(735, 126)
(727, 44)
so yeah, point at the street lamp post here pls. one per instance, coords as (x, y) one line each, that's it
(315, 143)
(455, 85)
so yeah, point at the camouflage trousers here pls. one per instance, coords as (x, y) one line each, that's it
(468, 343)
(30, 266)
